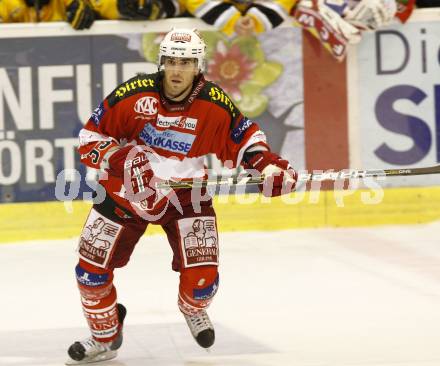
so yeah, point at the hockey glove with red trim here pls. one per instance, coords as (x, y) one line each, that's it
(280, 177)
(325, 22)
(132, 165)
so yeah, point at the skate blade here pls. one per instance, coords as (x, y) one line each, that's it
(98, 358)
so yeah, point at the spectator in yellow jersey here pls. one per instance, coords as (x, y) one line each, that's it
(137, 9)
(241, 16)
(78, 13)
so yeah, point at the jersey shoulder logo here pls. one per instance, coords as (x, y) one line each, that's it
(138, 84)
(214, 94)
(97, 114)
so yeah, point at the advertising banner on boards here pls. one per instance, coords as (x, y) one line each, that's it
(399, 99)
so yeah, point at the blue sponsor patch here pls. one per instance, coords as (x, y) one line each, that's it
(207, 292)
(174, 141)
(98, 113)
(238, 132)
(90, 279)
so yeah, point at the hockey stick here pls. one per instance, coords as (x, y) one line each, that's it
(303, 177)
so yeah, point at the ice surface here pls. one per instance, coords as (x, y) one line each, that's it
(339, 297)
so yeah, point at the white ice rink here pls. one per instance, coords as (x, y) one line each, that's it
(339, 297)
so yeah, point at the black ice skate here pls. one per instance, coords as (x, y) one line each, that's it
(201, 328)
(89, 350)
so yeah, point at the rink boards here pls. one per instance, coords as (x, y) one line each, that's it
(333, 208)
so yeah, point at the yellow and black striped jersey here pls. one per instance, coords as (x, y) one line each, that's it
(17, 11)
(224, 14)
(108, 9)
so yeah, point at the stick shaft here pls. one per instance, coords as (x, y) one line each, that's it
(304, 177)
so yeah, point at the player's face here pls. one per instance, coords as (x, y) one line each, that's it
(179, 74)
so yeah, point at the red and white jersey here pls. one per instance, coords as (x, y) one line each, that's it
(179, 134)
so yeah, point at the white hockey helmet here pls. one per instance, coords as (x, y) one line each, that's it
(184, 43)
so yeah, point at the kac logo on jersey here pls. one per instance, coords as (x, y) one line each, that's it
(146, 106)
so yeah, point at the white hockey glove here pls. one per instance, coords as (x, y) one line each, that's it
(333, 19)
(371, 14)
(348, 31)
(324, 23)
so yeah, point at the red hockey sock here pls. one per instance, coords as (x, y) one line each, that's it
(98, 298)
(198, 286)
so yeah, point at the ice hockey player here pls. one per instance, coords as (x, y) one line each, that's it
(161, 126)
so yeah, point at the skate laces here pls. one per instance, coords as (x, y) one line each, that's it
(199, 322)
